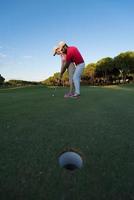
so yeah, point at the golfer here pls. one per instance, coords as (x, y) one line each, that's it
(73, 56)
(71, 69)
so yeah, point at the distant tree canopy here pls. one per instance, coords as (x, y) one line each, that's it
(53, 80)
(104, 67)
(89, 71)
(2, 79)
(106, 70)
(21, 83)
(124, 62)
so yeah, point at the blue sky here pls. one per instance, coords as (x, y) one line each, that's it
(30, 28)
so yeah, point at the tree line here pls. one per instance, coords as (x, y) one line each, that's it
(16, 83)
(119, 69)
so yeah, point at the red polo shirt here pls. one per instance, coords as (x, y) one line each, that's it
(73, 55)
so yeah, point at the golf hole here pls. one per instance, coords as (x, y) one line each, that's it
(70, 160)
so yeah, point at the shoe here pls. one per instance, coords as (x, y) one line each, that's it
(68, 95)
(76, 96)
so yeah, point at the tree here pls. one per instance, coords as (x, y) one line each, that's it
(125, 64)
(56, 78)
(105, 68)
(89, 72)
(50, 81)
(2, 79)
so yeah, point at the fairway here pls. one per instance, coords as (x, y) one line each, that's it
(36, 127)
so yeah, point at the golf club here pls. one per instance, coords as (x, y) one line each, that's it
(56, 86)
(54, 91)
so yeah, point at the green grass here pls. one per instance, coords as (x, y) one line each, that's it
(36, 127)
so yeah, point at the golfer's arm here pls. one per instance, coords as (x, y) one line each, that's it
(64, 66)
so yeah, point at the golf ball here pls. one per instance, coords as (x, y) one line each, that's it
(52, 95)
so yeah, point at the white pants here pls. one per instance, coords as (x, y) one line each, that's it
(77, 77)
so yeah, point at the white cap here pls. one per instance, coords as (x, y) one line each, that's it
(61, 44)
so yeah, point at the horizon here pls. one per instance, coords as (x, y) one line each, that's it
(30, 29)
(57, 72)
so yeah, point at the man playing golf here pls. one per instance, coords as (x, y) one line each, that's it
(71, 69)
(72, 56)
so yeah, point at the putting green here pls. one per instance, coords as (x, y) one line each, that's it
(36, 127)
